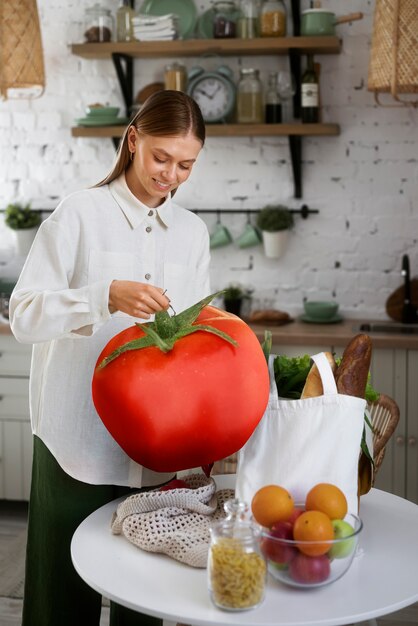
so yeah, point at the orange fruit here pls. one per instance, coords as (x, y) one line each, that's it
(271, 504)
(313, 526)
(327, 498)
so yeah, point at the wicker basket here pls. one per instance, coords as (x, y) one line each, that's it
(393, 66)
(21, 55)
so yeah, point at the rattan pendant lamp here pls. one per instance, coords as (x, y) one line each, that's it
(393, 66)
(21, 56)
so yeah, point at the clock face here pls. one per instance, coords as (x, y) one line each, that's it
(214, 96)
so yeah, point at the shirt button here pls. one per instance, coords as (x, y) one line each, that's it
(147, 276)
(150, 213)
(148, 229)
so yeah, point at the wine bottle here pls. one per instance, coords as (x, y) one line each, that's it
(273, 109)
(310, 94)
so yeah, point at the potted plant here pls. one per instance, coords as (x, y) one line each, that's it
(24, 221)
(234, 296)
(275, 223)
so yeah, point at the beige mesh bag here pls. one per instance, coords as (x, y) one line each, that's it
(393, 66)
(174, 522)
(21, 54)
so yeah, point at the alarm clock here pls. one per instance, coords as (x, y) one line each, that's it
(214, 92)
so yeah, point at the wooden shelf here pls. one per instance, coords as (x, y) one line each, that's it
(196, 47)
(227, 130)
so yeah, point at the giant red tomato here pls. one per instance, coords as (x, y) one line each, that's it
(194, 404)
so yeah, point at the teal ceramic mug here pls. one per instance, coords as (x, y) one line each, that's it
(220, 237)
(249, 237)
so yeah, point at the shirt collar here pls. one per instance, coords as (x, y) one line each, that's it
(134, 210)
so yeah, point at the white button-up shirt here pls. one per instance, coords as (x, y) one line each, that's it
(60, 304)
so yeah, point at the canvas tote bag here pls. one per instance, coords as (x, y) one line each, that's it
(299, 443)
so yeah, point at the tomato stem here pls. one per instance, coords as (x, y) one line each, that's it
(164, 331)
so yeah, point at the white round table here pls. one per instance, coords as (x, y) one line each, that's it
(383, 577)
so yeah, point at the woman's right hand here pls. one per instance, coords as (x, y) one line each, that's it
(136, 299)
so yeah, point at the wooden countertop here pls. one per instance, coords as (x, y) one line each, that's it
(299, 333)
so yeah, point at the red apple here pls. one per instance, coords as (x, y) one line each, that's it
(276, 550)
(298, 510)
(176, 483)
(310, 569)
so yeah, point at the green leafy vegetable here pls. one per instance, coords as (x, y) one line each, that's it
(290, 374)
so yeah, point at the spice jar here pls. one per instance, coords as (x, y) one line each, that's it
(273, 17)
(225, 20)
(175, 77)
(248, 20)
(250, 97)
(98, 24)
(236, 569)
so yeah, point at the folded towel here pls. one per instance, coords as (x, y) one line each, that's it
(152, 19)
(156, 36)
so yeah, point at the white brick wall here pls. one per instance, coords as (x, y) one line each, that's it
(364, 182)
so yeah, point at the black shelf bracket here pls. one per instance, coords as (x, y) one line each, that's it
(295, 147)
(125, 78)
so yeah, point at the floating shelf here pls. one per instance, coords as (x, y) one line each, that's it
(123, 55)
(227, 130)
(196, 47)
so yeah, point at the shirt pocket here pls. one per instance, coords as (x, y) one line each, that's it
(110, 266)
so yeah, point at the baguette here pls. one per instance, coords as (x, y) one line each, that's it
(313, 384)
(352, 372)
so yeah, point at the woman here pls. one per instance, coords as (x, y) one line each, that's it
(106, 255)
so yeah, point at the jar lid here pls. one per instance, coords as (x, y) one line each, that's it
(175, 66)
(97, 10)
(225, 3)
(249, 70)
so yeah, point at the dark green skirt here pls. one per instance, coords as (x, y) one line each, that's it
(54, 593)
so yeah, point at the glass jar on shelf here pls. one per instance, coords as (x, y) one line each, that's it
(175, 77)
(225, 19)
(250, 97)
(273, 18)
(249, 19)
(124, 27)
(234, 555)
(98, 24)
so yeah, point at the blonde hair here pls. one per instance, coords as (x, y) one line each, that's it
(167, 113)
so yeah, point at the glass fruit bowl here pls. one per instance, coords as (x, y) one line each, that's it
(308, 564)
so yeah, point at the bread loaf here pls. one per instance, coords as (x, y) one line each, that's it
(313, 384)
(352, 372)
(269, 315)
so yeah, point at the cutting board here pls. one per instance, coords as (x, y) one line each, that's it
(395, 301)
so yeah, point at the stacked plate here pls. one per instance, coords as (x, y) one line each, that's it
(102, 116)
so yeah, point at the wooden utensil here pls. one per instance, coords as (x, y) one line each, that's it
(351, 17)
(395, 302)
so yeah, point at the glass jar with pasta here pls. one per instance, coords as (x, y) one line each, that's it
(273, 17)
(236, 569)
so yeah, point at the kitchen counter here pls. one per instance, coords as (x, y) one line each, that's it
(299, 333)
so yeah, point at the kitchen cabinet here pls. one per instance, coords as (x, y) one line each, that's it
(15, 430)
(123, 54)
(394, 373)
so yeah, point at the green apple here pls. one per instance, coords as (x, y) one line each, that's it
(343, 548)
